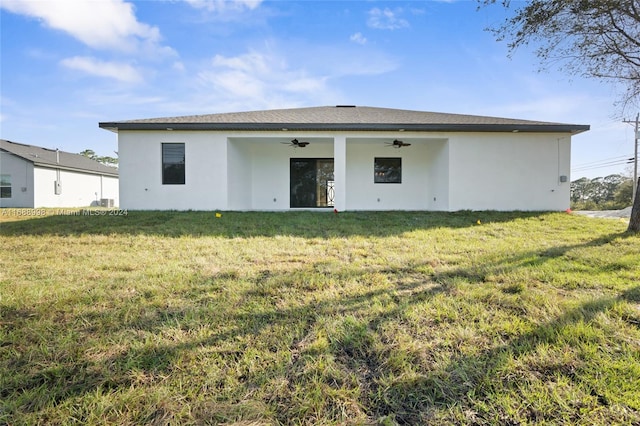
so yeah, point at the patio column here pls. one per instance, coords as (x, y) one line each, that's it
(340, 172)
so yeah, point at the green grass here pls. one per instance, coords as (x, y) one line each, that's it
(315, 318)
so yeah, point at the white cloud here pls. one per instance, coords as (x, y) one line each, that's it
(118, 71)
(129, 98)
(292, 75)
(251, 62)
(178, 66)
(358, 38)
(105, 24)
(224, 5)
(259, 76)
(386, 19)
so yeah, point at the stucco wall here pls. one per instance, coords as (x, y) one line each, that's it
(498, 171)
(438, 175)
(140, 166)
(21, 172)
(440, 171)
(77, 189)
(270, 177)
(419, 172)
(271, 165)
(239, 175)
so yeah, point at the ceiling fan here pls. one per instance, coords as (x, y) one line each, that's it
(397, 144)
(296, 143)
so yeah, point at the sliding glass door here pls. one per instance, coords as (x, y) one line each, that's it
(311, 181)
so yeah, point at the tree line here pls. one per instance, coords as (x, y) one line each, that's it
(106, 160)
(612, 192)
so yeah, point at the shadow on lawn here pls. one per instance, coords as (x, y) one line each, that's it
(232, 335)
(482, 269)
(256, 224)
(461, 382)
(469, 381)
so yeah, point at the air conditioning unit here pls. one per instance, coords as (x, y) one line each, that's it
(106, 202)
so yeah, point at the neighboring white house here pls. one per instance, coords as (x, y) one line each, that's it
(250, 161)
(31, 176)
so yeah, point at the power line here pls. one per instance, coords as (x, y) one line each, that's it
(597, 167)
(606, 164)
(610, 162)
(620, 157)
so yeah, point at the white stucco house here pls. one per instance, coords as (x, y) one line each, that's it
(343, 157)
(33, 177)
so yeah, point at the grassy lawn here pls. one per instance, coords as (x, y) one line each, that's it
(315, 318)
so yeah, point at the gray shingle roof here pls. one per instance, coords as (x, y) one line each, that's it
(343, 118)
(65, 160)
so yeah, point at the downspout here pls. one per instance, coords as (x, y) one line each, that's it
(58, 187)
(559, 181)
(31, 188)
(562, 178)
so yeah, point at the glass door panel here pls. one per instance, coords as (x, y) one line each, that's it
(311, 182)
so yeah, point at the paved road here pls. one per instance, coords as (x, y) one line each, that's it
(610, 214)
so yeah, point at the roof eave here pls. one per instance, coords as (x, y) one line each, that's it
(515, 128)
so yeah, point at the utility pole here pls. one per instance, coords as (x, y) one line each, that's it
(636, 135)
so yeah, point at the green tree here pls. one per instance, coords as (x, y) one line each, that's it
(89, 153)
(579, 190)
(610, 185)
(623, 193)
(601, 193)
(591, 38)
(106, 160)
(109, 161)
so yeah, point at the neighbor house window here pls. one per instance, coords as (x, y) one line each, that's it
(387, 170)
(173, 171)
(5, 186)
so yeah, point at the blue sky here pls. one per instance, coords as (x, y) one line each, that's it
(69, 64)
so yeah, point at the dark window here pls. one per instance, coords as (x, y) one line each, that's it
(173, 164)
(387, 170)
(5, 186)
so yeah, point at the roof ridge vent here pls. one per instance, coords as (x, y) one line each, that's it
(345, 106)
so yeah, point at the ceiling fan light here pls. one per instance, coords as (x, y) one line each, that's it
(399, 144)
(296, 143)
